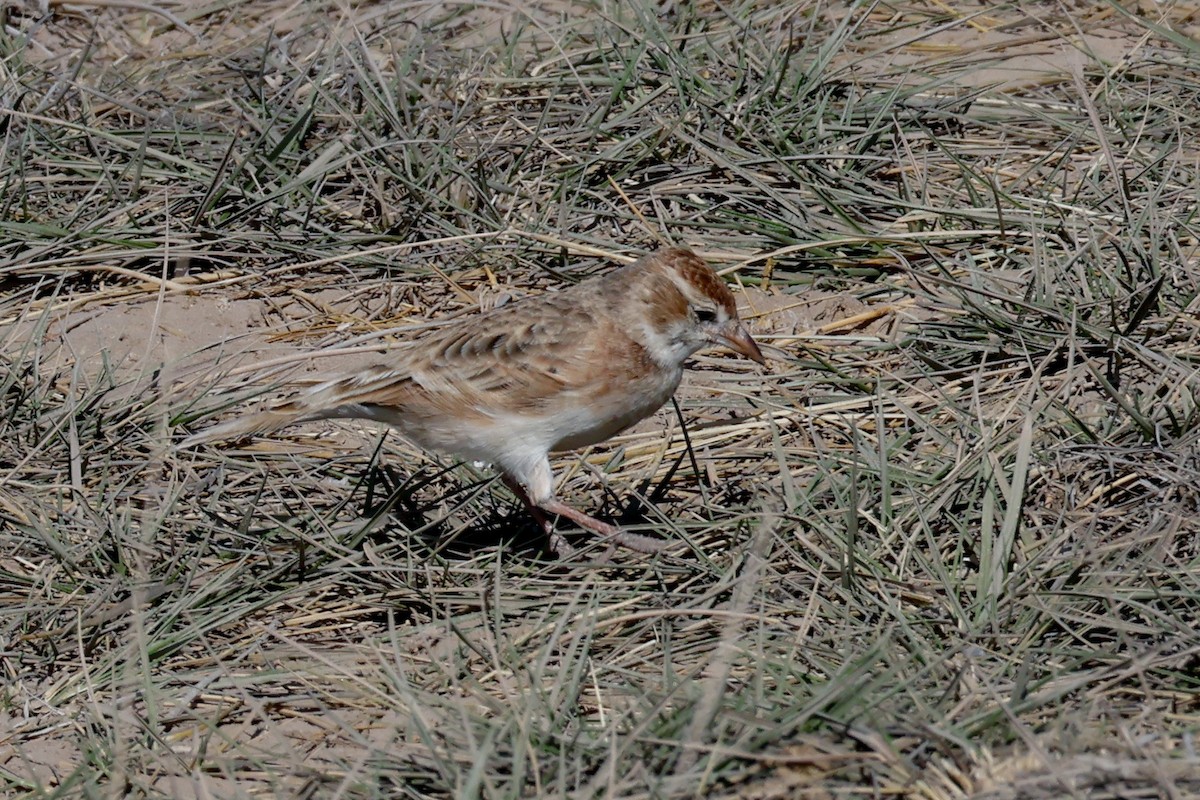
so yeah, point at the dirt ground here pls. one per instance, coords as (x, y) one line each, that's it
(239, 332)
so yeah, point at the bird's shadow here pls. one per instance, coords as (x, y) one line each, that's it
(497, 517)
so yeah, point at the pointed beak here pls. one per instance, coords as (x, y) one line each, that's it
(737, 338)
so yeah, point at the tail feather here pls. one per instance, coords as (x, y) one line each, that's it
(256, 424)
(336, 399)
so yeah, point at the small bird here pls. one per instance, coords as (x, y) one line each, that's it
(558, 371)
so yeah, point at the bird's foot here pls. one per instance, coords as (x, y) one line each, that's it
(614, 535)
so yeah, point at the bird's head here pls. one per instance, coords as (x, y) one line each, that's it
(690, 308)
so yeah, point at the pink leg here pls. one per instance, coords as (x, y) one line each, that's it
(633, 541)
(558, 543)
(537, 492)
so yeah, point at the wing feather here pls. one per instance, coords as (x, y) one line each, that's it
(516, 358)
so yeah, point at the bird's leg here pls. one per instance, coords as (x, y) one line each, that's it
(558, 542)
(633, 541)
(538, 493)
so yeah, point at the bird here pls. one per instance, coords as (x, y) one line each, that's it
(548, 373)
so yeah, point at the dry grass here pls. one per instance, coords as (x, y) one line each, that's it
(946, 548)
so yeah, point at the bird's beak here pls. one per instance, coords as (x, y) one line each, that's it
(737, 338)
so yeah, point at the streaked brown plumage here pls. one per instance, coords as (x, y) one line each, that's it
(558, 371)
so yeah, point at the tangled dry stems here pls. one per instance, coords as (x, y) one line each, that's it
(945, 548)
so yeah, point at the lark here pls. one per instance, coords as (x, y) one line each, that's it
(559, 371)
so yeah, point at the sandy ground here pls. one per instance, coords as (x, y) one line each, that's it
(212, 339)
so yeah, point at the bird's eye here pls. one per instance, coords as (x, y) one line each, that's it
(706, 314)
